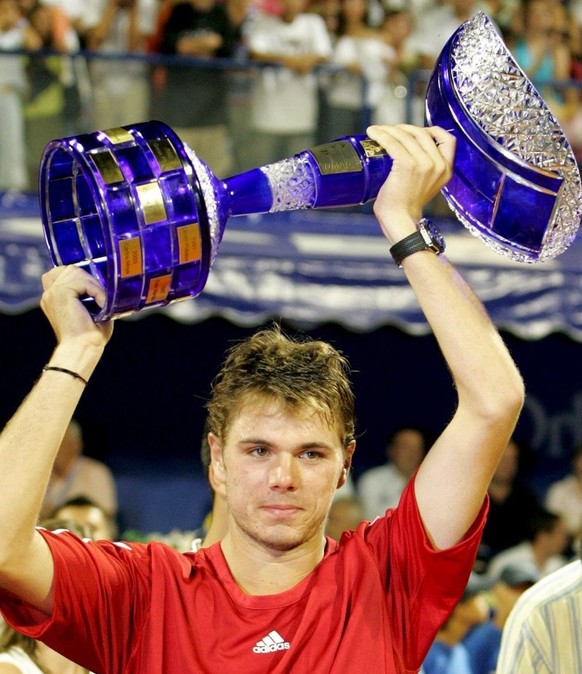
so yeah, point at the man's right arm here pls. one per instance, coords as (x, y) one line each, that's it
(30, 440)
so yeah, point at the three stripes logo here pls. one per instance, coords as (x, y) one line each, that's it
(271, 643)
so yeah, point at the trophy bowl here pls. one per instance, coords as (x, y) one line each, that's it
(142, 213)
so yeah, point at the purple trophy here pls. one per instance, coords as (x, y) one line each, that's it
(144, 215)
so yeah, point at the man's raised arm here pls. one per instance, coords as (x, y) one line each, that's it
(30, 440)
(453, 479)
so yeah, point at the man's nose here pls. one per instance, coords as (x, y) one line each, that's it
(284, 473)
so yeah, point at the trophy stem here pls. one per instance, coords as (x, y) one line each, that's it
(345, 172)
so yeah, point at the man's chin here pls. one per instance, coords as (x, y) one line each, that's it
(279, 539)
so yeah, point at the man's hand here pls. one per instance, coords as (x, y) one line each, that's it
(422, 164)
(70, 320)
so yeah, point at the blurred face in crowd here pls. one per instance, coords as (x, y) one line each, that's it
(463, 7)
(40, 19)
(203, 5)
(397, 27)
(406, 451)
(538, 16)
(9, 15)
(292, 9)
(345, 515)
(508, 464)
(557, 538)
(90, 517)
(354, 10)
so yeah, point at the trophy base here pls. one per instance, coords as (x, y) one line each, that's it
(127, 205)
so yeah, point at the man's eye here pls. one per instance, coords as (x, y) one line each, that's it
(311, 454)
(259, 451)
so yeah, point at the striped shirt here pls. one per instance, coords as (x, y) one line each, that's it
(543, 634)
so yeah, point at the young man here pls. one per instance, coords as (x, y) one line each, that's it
(274, 595)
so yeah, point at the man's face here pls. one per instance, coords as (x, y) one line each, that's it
(279, 470)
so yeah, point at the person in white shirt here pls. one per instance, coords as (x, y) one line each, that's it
(380, 488)
(543, 550)
(284, 98)
(74, 474)
(564, 496)
(542, 634)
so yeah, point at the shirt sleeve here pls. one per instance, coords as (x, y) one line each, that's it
(101, 594)
(423, 584)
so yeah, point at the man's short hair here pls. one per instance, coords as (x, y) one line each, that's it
(300, 372)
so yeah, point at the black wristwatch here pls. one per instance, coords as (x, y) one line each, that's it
(427, 237)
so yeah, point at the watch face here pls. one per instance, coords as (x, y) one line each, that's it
(437, 239)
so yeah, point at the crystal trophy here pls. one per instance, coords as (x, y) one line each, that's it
(142, 213)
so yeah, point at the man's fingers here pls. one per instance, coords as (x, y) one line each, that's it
(75, 279)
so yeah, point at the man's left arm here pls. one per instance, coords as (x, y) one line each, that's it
(452, 481)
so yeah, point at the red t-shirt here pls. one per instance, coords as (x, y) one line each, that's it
(373, 604)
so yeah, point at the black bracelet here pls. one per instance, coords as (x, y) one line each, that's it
(46, 368)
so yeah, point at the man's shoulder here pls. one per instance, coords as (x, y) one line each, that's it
(558, 587)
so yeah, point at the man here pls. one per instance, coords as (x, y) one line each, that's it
(194, 98)
(544, 548)
(380, 487)
(74, 474)
(273, 595)
(542, 634)
(88, 514)
(483, 642)
(284, 96)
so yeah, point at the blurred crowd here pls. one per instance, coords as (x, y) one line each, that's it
(247, 82)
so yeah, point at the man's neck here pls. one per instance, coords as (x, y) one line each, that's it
(258, 570)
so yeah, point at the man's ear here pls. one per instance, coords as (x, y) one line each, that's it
(216, 470)
(348, 453)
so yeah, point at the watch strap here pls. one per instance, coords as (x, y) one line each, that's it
(413, 243)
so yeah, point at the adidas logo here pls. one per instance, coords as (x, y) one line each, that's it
(271, 643)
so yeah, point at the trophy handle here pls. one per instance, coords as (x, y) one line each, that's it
(344, 172)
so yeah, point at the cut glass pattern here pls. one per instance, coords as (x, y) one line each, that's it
(505, 104)
(292, 184)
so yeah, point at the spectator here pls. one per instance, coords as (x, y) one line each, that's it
(542, 634)
(97, 523)
(380, 488)
(194, 99)
(435, 26)
(543, 549)
(74, 474)
(284, 99)
(483, 641)
(448, 654)
(81, 14)
(512, 506)
(564, 496)
(45, 99)
(345, 514)
(396, 30)
(542, 51)
(15, 33)
(120, 87)
(365, 59)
